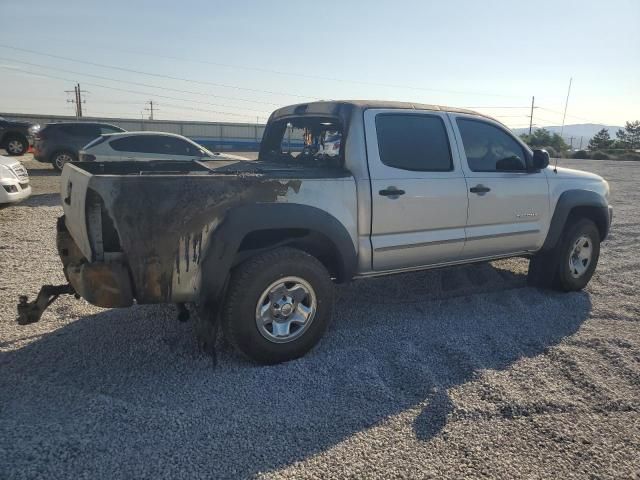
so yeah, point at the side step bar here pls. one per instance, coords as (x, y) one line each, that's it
(30, 312)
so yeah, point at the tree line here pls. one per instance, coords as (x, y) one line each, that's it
(626, 142)
(627, 138)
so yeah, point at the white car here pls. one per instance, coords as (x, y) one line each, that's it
(331, 146)
(147, 146)
(14, 180)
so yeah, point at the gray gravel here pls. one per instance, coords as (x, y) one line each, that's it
(441, 374)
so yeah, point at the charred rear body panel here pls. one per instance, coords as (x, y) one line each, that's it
(160, 225)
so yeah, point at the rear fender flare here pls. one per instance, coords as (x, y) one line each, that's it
(240, 221)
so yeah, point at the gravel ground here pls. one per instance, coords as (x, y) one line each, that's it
(441, 374)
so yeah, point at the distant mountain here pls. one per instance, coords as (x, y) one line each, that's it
(584, 130)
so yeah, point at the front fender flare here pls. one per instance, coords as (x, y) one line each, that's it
(569, 200)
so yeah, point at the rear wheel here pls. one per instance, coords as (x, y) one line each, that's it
(60, 159)
(278, 305)
(16, 145)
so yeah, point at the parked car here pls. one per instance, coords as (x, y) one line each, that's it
(14, 180)
(60, 143)
(260, 244)
(147, 146)
(16, 136)
(331, 145)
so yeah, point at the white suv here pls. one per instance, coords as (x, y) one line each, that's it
(147, 146)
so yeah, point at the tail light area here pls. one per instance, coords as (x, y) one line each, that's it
(103, 236)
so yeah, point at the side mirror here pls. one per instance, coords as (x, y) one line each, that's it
(540, 159)
(510, 164)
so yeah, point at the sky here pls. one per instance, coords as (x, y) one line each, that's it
(239, 60)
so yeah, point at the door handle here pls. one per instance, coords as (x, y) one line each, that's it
(391, 192)
(479, 189)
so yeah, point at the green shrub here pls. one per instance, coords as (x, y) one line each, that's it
(599, 156)
(630, 156)
(552, 152)
(582, 154)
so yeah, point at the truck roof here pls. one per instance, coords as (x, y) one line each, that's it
(338, 107)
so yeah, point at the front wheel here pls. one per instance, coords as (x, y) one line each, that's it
(16, 145)
(570, 265)
(578, 255)
(278, 305)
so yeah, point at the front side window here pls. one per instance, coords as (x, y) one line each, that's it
(413, 142)
(489, 148)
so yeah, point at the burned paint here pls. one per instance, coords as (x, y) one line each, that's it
(197, 247)
(161, 220)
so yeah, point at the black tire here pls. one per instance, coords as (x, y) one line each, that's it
(57, 159)
(553, 269)
(564, 280)
(248, 283)
(15, 145)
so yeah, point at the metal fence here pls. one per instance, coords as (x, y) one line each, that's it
(213, 135)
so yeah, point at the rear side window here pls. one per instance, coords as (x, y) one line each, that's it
(110, 129)
(176, 146)
(141, 143)
(489, 148)
(413, 142)
(81, 130)
(157, 144)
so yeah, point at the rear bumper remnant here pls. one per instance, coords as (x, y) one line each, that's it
(105, 284)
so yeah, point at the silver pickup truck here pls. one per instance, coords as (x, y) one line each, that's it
(259, 245)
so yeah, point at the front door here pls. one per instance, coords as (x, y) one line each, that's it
(508, 203)
(419, 195)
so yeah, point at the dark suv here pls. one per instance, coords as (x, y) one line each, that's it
(60, 143)
(15, 136)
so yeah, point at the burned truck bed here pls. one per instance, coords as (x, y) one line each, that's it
(142, 230)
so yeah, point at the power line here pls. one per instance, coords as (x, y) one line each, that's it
(572, 116)
(138, 92)
(159, 75)
(388, 85)
(130, 91)
(139, 84)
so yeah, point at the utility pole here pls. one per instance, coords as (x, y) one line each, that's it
(533, 99)
(580, 147)
(77, 99)
(150, 109)
(571, 143)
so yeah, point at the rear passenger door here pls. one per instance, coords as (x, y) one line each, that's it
(508, 203)
(419, 195)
